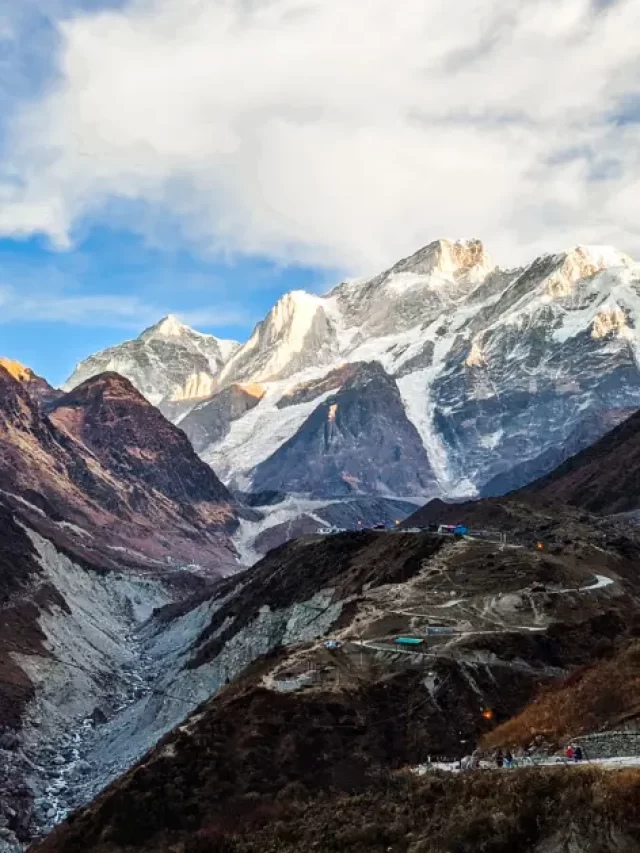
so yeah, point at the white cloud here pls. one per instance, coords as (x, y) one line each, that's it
(74, 309)
(40, 305)
(340, 132)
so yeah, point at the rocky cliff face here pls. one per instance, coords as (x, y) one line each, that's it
(169, 361)
(497, 369)
(588, 431)
(541, 354)
(358, 441)
(297, 329)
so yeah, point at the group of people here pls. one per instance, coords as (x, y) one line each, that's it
(574, 752)
(504, 759)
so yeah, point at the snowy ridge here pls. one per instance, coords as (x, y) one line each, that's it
(168, 361)
(279, 343)
(493, 366)
(288, 510)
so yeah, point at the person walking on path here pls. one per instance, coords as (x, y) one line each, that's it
(569, 752)
(499, 759)
(577, 754)
(508, 759)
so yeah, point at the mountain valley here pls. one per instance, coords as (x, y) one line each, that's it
(191, 663)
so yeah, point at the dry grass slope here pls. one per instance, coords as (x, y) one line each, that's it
(584, 811)
(595, 697)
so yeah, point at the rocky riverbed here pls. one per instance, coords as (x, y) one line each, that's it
(69, 761)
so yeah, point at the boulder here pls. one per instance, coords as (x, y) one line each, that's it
(98, 717)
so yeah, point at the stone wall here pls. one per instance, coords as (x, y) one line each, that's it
(609, 744)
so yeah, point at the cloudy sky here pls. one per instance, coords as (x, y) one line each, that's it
(204, 156)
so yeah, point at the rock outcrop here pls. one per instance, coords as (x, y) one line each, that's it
(209, 422)
(38, 387)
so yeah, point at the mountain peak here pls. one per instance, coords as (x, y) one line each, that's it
(169, 327)
(581, 262)
(108, 384)
(168, 361)
(603, 256)
(453, 258)
(295, 299)
(297, 306)
(294, 333)
(16, 369)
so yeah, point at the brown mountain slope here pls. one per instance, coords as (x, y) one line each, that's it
(19, 607)
(396, 813)
(290, 774)
(133, 441)
(601, 696)
(107, 478)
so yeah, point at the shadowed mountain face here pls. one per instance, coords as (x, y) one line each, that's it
(307, 391)
(358, 441)
(107, 477)
(604, 478)
(210, 422)
(594, 426)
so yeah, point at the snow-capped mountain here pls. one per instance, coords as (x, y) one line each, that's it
(168, 362)
(487, 367)
(297, 329)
